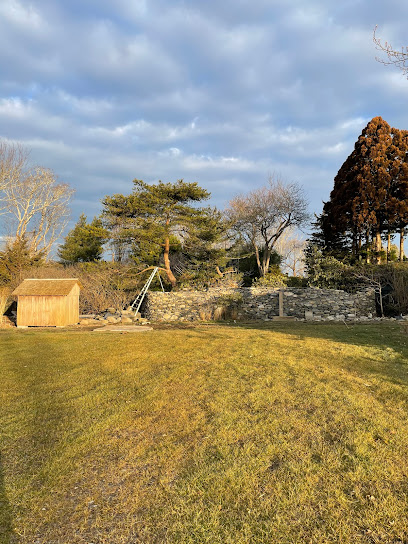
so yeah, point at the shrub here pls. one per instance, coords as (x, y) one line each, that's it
(4, 300)
(104, 284)
(296, 281)
(274, 278)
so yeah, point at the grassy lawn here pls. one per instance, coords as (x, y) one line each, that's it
(286, 433)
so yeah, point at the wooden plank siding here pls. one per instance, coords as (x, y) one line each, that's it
(48, 310)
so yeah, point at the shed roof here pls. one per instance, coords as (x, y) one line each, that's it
(46, 287)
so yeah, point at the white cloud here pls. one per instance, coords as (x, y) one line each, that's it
(217, 92)
(23, 16)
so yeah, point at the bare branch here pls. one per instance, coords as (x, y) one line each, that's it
(34, 204)
(397, 58)
(262, 216)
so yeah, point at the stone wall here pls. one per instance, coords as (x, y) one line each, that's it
(259, 303)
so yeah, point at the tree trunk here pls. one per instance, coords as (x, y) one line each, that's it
(388, 246)
(378, 246)
(266, 259)
(217, 269)
(367, 246)
(401, 251)
(169, 273)
(258, 260)
(354, 245)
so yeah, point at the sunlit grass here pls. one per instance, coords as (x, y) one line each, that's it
(287, 433)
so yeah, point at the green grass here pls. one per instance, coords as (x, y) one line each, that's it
(287, 433)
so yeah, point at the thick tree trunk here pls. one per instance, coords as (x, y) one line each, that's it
(169, 273)
(401, 251)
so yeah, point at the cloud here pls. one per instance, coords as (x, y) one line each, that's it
(221, 93)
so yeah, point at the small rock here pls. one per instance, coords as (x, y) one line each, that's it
(88, 321)
(126, 320)
(112, 319)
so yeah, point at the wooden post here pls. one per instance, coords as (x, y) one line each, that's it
(280, 302)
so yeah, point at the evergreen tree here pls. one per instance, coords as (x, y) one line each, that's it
(84, 243)
(369, 197)
(154, 215)
(16, 258)
(373, 150)
(398, 196)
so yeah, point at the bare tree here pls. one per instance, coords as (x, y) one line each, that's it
(398, 58)
(291, 249)
(263, 215)
(13, 163)
(33, 205)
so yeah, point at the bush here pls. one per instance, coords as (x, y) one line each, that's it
(104, 284)
(274, 278)
(296, 281)
(206, 278)
(4, 300)
(323, 271)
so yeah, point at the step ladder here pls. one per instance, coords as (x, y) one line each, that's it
(140, 297)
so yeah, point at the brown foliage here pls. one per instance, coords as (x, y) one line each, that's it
(104, 285)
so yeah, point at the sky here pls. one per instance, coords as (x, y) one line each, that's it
(222, 93)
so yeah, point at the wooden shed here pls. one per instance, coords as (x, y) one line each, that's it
(48, 303)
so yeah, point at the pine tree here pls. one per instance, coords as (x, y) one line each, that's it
(152, 214)
(84, 243)
(16, 258)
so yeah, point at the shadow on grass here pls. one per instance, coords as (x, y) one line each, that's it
(6, 528)
(46, 418)
(383, 336)
(47, 413)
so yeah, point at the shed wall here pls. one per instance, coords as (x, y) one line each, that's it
(47, 311)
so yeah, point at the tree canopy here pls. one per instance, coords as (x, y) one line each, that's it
(84, 243)
(155, 217)
(370, 194)
(263, 215)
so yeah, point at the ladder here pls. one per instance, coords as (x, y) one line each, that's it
(140, 297)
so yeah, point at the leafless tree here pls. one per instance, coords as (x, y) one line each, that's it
(263, 215)
(13, 163)
(398, 58)
(291, 249)
(32, 203)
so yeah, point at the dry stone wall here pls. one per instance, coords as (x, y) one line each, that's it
(255, 303)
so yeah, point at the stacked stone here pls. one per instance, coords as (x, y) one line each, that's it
(185, 305)
(260, 303)
(112, 316)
